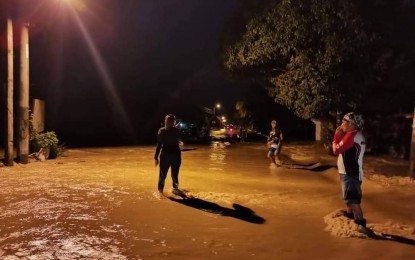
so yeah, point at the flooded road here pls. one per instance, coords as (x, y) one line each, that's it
(102, 203)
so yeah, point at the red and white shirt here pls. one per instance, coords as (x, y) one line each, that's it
(350, 149)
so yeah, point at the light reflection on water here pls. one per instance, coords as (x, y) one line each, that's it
(63, 210)
(59, 220)
(248, 162)
(227, 158)
(217, 155)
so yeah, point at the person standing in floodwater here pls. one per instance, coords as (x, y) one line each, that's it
(274, 142)
(168, 149)
(349, 144)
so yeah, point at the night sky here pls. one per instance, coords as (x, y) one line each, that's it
(111, 70)
(151, 57)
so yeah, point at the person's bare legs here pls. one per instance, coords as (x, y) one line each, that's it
(271, 157)
(277, 155)
(357, 211)
(359, 220)
(277, 159)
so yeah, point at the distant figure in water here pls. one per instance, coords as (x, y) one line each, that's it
(242, 134)
(349, 144)
(274, 142)
(168, 148)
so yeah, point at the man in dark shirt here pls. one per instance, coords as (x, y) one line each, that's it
(168, 148)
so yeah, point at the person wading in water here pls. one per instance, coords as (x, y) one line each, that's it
(168, 149)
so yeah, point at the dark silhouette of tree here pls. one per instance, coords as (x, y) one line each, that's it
(319, 56)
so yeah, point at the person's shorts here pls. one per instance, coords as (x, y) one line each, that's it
(352, 192)
(274, 149)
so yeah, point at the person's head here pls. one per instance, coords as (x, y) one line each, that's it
(274, 123)
(351, 122)
(169, 121)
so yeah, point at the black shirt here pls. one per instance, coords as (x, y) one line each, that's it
(168, 141)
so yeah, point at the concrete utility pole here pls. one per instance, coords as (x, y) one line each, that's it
(9, 150)
(412, 152)
(23, 148)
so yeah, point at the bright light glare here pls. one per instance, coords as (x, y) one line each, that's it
(78, 5)
(110, 89)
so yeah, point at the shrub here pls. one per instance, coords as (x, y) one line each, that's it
(46, 140)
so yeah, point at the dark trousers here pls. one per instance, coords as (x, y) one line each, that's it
(167, 160)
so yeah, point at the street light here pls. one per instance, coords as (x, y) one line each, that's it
(214, 118)
(214, 108)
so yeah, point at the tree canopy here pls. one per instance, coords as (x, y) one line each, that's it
(319, 56)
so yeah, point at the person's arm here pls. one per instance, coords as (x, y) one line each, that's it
(270, 139)
(343, 143)
(158, 148)
(281, 137)
(338, 135)
(180, 138)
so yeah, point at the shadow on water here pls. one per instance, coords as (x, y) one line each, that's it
(395, 238)
(238, 211)
(314, 166)
(322, 168)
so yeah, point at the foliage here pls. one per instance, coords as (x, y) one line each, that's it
(45, 140)
(320, 56)
(257, 110)
(242, 115)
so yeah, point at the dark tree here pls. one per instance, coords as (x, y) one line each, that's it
(321, 56)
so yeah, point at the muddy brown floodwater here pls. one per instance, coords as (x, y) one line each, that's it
(102, 203)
